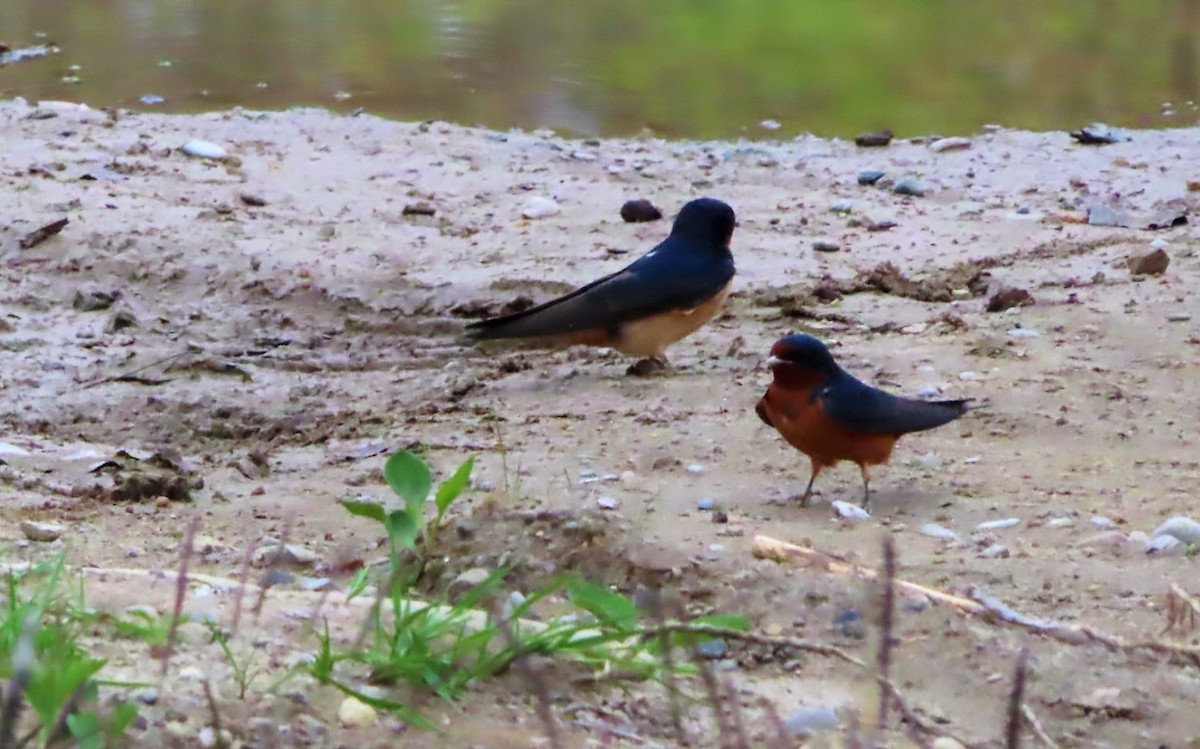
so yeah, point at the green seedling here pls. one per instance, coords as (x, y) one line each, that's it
(244, 670)
(406, 528)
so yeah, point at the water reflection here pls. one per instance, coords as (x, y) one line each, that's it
(696, 68)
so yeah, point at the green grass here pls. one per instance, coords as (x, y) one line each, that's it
(445, 647)
(51, 683)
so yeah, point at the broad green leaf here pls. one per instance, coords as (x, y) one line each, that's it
(610, 609)
(369, 510)
(452, 487)
(409, 477)
(402, 530)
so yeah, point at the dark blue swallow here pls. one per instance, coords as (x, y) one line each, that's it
(663, 296)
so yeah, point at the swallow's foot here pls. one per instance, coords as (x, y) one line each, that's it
(649, 367)
(800, 499)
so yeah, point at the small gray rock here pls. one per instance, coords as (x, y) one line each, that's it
(825, 245)
(1165, 546)
(43, 532)
(471, 578)
(909, 187)
(850, 511)
(842, 206)
(869, 176)
(695, 469)
(290, 555)
(1102, 215)
(705, 505)
(607, 503)
(1102, 522)
(850, 623)
(1182, 528)
(639, 211)
(540, 207)
(806, 721)
(996, 551)
(202, 149)
(712, 649)
(949, 144)
(940, 532)
(996, 525)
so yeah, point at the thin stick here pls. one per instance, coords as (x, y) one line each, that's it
(712, 690)
(1012, 732)
(520, 664)
(181, 583)
(782, 738)
(735, 715)
(886, 623)
(215, 713)
(247, 560)
(667, 645)
(1035, 725)
(275, 560)
(135, 370)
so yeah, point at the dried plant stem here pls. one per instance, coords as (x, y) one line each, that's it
(1035, 726)
(886, 624)
(181, 584)
(537, 684)
(1016, 699)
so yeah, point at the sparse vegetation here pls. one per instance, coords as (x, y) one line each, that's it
(51, 684)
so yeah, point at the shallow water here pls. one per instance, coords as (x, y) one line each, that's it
(683, 68)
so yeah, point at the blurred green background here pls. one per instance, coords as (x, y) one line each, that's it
(683, 68)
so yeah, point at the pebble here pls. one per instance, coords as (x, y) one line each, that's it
(1060, 522)
(929, 391)
(825, 245)
(705, 505)
(1023, 333)
(874, 140)
(639, 211)
(289, 555)
(152, 99)
(842, 206)
(850, 511)
(8, 448)
(869, 176)
(968, 375)
(945, 742)
(1181, 528)
(850, 623)
(1160, 244)
(540, 207)
(1098, 133)
(37, 531)
(949, 144)
(1101, 522)
(995, 525)
(1165, 546)
(806, 721)
(1102, 215)
(1178, 317)
(354, 713)
(607, 503)
(996, 551)
(471, 578)
(909, 187)
(695, 469)
(940, 532)
(929, 460)
(770, 125)
(1151, 264)
(712, 649)
(202, 149)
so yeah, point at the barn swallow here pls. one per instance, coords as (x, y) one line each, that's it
(825, 413)
(640, 310)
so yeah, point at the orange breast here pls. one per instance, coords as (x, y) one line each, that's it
(800, 420)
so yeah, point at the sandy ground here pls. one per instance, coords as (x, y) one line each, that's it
(314, 332)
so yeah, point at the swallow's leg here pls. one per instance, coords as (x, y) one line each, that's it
(808, 490)
(651, 365)
(866, 476)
